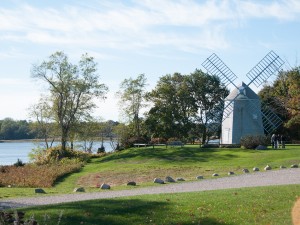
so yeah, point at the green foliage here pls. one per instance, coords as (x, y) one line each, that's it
(132, 94)
(252, 141)
(32, 175)
(14, 129)
(182, 103)
(283, 98)
(72, 90)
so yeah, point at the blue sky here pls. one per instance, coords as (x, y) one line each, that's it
(127, 38)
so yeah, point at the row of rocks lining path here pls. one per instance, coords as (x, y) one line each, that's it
(267, 178)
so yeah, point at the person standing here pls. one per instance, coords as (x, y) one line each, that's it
(273, 140)
(282, 140)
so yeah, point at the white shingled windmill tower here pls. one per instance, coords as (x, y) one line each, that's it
(243, 113)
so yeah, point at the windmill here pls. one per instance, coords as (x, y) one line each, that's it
(243, 113)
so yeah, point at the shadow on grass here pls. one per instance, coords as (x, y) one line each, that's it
(186, 154)
(62, 178)
(118, 212)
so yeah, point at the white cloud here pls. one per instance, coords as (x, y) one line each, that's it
(183, 25)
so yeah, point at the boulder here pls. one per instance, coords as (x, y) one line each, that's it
(169, 179)
(131, 183)
(267, 167)
(230, 173)
(105, 186)
(180, 179)
(199, 177)
(215, 175)
(255, 169)
(80, 189)
(245, 170)
(261, 147)
(158, 181)
(282, 167)
(39, 191)
(294, 166)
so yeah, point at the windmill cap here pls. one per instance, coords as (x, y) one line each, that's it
(241, 92)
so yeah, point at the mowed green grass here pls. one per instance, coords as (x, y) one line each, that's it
(261, 205)
(144, 164)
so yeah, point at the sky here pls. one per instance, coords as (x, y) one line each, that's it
(132, 37)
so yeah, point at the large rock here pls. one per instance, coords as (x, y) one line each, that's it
(39, 191)
(105, 186)
(80, 189)
(294, 166)
(261, 147)
(131, 183)
(267, 167)
(215, 175)
(282, 167)
(230, 173)
(199, 177)
(180, 179)
(158, 181)
(169, 179)
(255, 169)
(245, 170)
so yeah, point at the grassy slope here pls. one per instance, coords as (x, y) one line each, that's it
(144, 164)
(262, 205)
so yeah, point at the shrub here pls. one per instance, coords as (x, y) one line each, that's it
(101, 149)
(54, 154)
(19, 163)
(133, 140)
(158, 141)
(252, 141)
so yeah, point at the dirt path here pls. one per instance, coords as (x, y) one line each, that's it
(268, 178)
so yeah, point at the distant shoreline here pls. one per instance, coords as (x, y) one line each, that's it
(21, 140)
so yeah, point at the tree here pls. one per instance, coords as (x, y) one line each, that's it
(72, 90)
(12, 130)
(208, 96)
(132, 94)
(185, 103)
(283, 96)
(44, 126)
(172, 108)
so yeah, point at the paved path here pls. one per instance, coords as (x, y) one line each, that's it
(268, 178)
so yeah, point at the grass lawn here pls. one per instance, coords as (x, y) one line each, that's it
(144, 164)
(261, 205)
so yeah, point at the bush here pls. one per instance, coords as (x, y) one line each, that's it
(101, 149)
(133, 140)
(19, 163)
(158, 141)
(252, 141)
(54, 154)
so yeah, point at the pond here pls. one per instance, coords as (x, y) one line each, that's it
(10, 152)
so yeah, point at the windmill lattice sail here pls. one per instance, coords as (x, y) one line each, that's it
(243, 114)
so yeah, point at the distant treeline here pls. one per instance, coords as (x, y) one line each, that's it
(15, 129)
(11, 129)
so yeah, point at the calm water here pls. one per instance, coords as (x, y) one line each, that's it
(10, 152)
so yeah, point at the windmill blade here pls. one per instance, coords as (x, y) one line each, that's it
(269, 65)
(215, 66)
(228, 108)
(270, 119)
